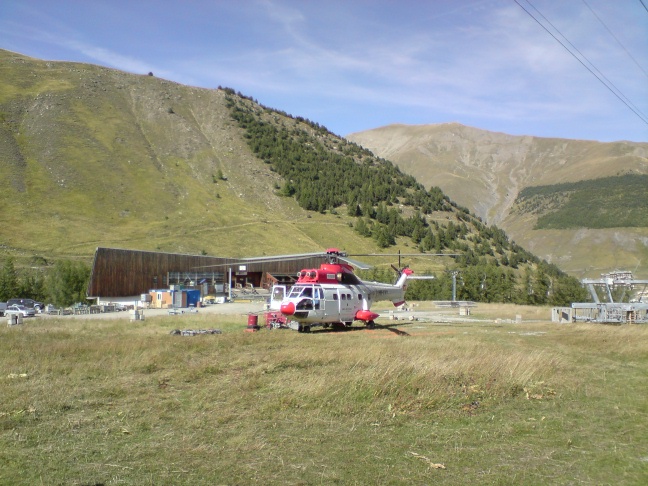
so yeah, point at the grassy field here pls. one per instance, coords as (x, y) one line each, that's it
(91, 402)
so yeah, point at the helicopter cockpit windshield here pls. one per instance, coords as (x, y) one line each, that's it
(309, 296)
(301, 291)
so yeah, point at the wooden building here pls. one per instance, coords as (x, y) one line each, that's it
(119, 275)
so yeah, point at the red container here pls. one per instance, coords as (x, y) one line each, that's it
(253, 322)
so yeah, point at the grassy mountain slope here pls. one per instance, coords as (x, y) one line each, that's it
(97, 157)
(486, 171)
(93, 156)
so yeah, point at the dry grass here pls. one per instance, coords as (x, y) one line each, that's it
(109, 402)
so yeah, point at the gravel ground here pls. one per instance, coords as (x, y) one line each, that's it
(436, 315)
(232, 308)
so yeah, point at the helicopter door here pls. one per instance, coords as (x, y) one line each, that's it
(319, 304)
(318, 298)
(331, 304)
(279, 293)
(347, 311)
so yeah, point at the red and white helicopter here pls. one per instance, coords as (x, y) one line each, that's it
(333, 295)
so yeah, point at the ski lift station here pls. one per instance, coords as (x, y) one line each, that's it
(609, 311)
(134, 277)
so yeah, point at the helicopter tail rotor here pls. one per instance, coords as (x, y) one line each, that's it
(402, 277)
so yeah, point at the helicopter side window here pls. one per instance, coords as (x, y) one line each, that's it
(343, 296)
(318, 295)
(335, 297)
(359, 296)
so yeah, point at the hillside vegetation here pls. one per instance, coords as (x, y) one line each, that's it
(377, 196)
(94, 156)
(486, 171)
(611, 202)
(97, 157)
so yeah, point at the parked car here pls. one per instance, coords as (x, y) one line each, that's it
(3, 308)
(29, 303)
(19, 309)
(50, 309)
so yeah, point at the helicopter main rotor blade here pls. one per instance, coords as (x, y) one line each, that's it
(266, 259)
(339, 255)
(355, 263)
(405, 254)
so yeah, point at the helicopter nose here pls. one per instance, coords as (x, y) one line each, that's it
(288, 308)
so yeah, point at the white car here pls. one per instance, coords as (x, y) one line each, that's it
(19, 309)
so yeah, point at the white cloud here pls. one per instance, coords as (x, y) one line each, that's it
(485, 60)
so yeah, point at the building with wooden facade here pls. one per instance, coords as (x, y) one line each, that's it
(120, 275)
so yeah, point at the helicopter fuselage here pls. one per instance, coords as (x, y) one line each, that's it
(332, 294)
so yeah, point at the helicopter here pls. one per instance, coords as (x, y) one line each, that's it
(333, 295)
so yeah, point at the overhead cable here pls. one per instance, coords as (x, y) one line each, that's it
(644, 5)
(607, 83)
(615, 38)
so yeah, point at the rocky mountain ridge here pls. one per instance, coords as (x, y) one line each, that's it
(485, 172)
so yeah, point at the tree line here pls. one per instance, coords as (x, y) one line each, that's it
(62, 284)
(609, 202)
(536, 285)
(323, 176)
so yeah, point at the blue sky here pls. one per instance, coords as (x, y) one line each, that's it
(358, 64)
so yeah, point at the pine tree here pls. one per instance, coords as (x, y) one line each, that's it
(32, 285)
(384, 239)
(8, 280)
(67, 282)
(362, 227)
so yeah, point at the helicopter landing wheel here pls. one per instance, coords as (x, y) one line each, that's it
(371, 325)
(303, 328)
